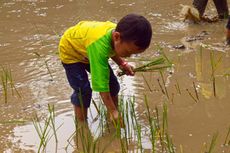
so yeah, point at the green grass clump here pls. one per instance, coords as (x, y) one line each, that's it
(8, 83)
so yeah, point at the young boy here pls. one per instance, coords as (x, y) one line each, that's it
(88, 46)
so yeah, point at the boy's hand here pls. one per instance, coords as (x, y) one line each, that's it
(116, 118)
(128, 69)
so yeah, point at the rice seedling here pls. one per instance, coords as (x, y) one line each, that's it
(85, 141)
(147, 83)
(177, 86)
(86, 138)
(158, 129)
(162, 130)
(123, 109)
(95, 105)
(165, 118)
(103, 119)
(152, 130)
(204, 147)
(164, 55)
(201, 57)
(127, 125)
(162, 90)
(190, 94)
(82, 136)
(170, 145)
(214, 64)
(137, 127)
(46, 64)
(181, 149)
(139, 136)
(4, 81)
(213, 71)
(153, 66)
(71, 137)
(7, 82)
(226, 142)
(44, 132)
(164, 84)
(194, 86)
(52, 120)
(213, 143)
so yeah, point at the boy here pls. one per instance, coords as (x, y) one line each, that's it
(88, 45)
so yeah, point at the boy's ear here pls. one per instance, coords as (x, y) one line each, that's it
(116, 36)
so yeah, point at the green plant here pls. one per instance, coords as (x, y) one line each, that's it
(153, 66)
(46, 64)
(43, 129)
(7, 82)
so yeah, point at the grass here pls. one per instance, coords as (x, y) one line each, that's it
(214, 65)
(177, 86)
(7, 83)
(226, 141)
(44, 129)
(158, 133)
(194, 86)
(164, 84)
(213, 143)
(191, 95)
(46, 64)
(133, 130)
(213, 72)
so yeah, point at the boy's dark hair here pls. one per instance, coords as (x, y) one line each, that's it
(136, 28)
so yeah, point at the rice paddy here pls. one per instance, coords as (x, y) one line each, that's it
(130, 132)
(177, 102)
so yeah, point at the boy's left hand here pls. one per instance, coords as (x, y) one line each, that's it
(128, 69)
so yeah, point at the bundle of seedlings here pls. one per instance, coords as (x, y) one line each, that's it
(155, 65)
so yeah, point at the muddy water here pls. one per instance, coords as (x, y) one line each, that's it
(32, 26)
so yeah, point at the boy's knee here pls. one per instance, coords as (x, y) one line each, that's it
(82, 98)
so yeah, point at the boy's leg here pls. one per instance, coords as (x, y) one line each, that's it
(78, 80)
(228, 32)
(80, 113)
(222, 8)
(200, 5)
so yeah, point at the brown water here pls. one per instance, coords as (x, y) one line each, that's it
(28, 26)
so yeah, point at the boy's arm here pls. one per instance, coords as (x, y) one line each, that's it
(108, 101)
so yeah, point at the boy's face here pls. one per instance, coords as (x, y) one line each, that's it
(122, 48)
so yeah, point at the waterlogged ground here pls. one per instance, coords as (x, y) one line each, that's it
(29, 36)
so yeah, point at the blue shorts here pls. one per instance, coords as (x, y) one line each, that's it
(78, 79)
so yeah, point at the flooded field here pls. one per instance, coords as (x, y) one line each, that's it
(187, 108)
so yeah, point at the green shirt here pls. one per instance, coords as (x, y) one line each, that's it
(90, 42)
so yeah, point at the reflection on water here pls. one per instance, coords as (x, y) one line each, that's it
(22, 135)
(31, 27)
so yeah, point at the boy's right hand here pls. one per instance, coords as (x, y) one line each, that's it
(128, 69)
(116, 118)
